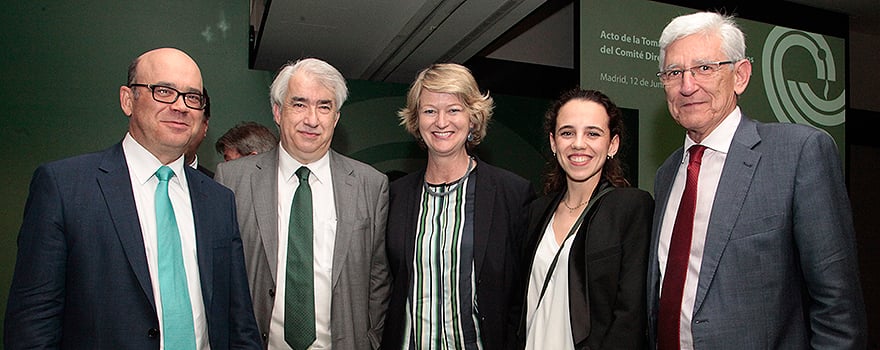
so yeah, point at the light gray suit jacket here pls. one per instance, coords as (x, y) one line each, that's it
(360, 277)
(779, 267)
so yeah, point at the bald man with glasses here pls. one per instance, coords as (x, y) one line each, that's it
(129, 248)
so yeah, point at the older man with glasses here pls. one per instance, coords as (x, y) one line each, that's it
(753, 244)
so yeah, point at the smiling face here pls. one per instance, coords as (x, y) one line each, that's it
(163, 129)
(582, 140)
(306, 118)
(699, 106)
(444, 123)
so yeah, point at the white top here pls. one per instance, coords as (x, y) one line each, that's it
(718, 144)
(324, 238)
(548, 325)
(142, 166)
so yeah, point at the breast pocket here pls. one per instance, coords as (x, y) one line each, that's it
(760, 248)
(604, 266)
(221, 250)
(757, 226)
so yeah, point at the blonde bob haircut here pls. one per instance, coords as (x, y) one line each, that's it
(453, 79)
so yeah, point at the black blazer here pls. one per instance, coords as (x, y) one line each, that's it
(610, 253)
(500, 210)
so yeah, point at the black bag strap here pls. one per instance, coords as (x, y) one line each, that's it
(587, 212)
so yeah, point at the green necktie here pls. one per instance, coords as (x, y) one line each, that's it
(177, 318)
(299, 296)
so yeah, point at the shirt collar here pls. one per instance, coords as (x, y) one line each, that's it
(719, 139)
(320, 169)
(195, 162)
(143, 164)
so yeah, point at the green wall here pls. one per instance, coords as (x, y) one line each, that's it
(63, 62)
(797, 76)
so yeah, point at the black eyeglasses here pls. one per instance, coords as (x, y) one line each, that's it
(169, 95)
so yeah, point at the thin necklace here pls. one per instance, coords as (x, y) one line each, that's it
(454, 185)
(565, 203)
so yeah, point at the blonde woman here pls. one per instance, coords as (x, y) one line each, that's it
(455, 227)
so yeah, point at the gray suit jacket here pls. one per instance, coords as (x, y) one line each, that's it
(360, 277)
(779, 267)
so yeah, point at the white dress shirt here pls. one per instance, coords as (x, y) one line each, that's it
(142, 166)
(718, 144)
(324, 238)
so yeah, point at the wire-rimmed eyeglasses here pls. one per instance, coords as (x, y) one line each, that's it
(700, 72)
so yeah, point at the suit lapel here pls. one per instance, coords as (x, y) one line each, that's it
(411, 205)
(483, 212)
(344, 192)
(736, 178)
(662, 188)
(536, 233)
(204, 240)
(115, 185)
(264, 189)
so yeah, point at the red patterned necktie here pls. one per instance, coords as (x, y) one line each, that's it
(669, 314)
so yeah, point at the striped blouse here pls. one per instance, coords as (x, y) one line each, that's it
(441, 307)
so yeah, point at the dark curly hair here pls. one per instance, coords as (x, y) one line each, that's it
(612, 171)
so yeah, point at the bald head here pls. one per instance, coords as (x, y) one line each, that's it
(160, 54)
(164, 129)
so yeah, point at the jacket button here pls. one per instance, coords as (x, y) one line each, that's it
(272, 292)
(153, 333)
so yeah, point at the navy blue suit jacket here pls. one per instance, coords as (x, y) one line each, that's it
(81, 279)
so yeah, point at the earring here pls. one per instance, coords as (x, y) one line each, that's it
(609, 157)
(470, 137)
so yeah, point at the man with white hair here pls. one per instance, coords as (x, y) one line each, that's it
(312, 222)
(753, 244)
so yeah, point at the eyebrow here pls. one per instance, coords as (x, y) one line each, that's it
(694, 64)
(590, 127)
(453, 105)
(303, 99)
(174, 86)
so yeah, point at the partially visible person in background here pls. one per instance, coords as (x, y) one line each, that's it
(245, 139)
(191, 157)
(587, 249)
(454, 228)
